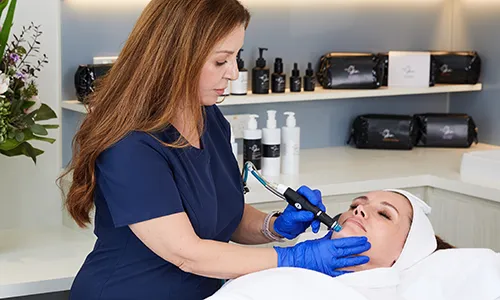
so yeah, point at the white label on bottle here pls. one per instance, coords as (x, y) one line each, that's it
(240, 85)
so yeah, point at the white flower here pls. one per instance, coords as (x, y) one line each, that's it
(35, 106)
(4, 83)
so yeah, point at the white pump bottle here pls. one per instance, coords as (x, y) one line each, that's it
(252, 143)
(290, 142)
(271, 141)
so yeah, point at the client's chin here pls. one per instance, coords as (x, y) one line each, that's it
(348, 232)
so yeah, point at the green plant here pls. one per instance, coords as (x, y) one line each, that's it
(7, 24)
(20, 107)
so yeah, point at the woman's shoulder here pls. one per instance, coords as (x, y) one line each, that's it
(134, 145)
(134, 138)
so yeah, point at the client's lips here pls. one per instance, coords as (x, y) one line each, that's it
(356, 222)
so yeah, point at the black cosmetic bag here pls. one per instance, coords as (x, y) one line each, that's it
(457, 67)
(86, 77)
(446, 130)
(380, 131)
(349, 71)
(384, 61)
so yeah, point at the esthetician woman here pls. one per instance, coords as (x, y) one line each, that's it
(154, 157)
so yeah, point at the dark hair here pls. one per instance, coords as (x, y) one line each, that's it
(441, 244)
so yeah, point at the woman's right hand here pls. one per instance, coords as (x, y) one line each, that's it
(325, 255)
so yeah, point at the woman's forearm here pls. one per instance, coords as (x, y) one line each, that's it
(227, 261)
(249, 232)
(173, 238)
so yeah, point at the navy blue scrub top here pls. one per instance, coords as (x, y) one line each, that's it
(139, 179)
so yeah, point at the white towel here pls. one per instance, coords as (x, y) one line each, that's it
(455, 274)
(421, 240)
(286, 284)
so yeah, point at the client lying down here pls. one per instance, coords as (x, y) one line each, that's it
(404, 260)
(385, 218)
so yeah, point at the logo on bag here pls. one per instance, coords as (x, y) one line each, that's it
(351, 70)
(445, 69)
(447, 133)
(388, 136)
(386, 133)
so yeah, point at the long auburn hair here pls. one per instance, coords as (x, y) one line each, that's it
(155, 78)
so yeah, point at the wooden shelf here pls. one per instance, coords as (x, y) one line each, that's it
(322, 94)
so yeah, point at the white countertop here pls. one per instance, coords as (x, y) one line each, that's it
(34, 261)
(345, 170)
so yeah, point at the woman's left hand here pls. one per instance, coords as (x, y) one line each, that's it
(293, 221)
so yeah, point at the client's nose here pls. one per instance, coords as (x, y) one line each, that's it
(360, 211)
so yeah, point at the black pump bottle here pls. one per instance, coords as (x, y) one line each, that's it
(295, 80)
(260, 75)
(309, 83)
(278, 78)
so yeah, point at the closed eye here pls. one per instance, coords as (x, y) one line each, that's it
(385, 215)
(221, 63)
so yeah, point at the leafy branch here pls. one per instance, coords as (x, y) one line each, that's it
(20, 107)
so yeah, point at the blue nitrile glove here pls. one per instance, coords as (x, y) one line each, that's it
(293, 221)
(325, 255)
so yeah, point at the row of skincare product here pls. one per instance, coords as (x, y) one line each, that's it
(260, 75)
(296, 81)
(271, 140)
(263, 146)
(252, 143)
(239, 87)
(278, 78)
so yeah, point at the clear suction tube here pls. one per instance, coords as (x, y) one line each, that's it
(272, 187)
(291, 196)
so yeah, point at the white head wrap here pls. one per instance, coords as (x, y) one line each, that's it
(421, 240)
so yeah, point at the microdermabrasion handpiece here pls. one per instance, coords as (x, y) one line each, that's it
(295, 199)
(292, 197)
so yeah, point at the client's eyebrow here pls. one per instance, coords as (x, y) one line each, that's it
(390, 205)
(364, 198)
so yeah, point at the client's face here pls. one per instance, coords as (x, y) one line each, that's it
(384, 218)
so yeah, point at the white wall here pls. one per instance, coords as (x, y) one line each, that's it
(28, 193)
